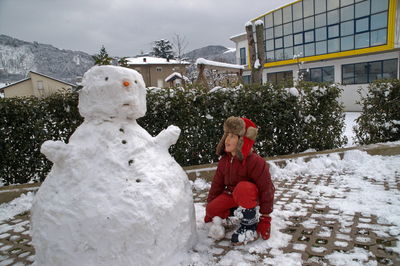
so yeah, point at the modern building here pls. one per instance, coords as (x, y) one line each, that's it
(155, 70)
(36, 84)
(350, 42)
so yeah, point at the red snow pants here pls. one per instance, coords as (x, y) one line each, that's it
(245, 195)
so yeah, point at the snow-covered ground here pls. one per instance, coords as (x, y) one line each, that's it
(350, 122)
(358, 183)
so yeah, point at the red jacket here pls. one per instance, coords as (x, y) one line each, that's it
(231, 171)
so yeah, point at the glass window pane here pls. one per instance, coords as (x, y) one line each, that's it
(288, 53)
(278, 43)
(278, 31)
(347, 43)
(375, 71)
(316, 74)
(348, 74)
(309, 49)
(378, 37)
(270, 56)
(333, 16)
(287, 28)
(333, 45)
(321, 47)
(278, 17)
(287, 14)
(347, 28)
(270, 45)
(269, 22)
(279, 54)
(309, 36)
(288, 40)
(297, 10)
(362, 9)
(298, 51)
(271, 77)
(320, 6)
(390, 69)
(362, 24)
(362, 40)
(269, 33)
(298, 26)
(332, 4)
(298, 38)
(347, 13)
(379, 5)
(304, 75)
(308, 6)
(328, 74)
(346, 2)
(309, 23)
(361, 73)
(320, 20)
(320, 34)
(333, 31)
(379, 21)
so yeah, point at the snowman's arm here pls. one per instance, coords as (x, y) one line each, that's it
(55, 151)
(168, 136)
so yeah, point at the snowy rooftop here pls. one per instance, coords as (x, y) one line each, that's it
(150, 60)
(202, 61)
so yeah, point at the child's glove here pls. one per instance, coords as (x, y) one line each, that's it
(264, 226)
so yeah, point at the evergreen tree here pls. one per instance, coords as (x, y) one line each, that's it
(163, 49)
(102, 58)
(123, 62)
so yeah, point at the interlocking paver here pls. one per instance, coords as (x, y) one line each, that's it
(316, 230)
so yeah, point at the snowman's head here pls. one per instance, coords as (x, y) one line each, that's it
(112, 92)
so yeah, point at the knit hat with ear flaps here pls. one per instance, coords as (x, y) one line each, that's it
(247, 132)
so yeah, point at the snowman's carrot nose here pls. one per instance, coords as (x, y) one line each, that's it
(126, 83)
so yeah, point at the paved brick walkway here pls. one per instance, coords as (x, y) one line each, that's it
(316, 231)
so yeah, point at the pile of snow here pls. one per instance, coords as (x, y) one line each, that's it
(114, 196)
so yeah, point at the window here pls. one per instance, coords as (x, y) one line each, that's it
(298, 51)
(308, 7)
(320, 20)
(378, 37)
(379, 5)
(270, 45)
(347, 28)
(279, 55)
(280, 77)
(298, 26)
(332, 4)
(346, 2)
(362, 24)
(158, 69)
(333, 45)
(287, 14)
(347, 13)
(288, 40)
(278, 17)
(278, 31)
(246, 79)
(309, 36)
(309, 23)
(319, 74)
(270, 56)
(362, 9)
(320, 34)
(320, 6)
(309, 49)
(298, 38)
(278, 43)
(269, 33)
(367, 72)
(297, 10)
(288, 28)
(321, 47)
(347, 43)
(243, 60)
(288, 53)
(333, 31)
(379, 21)
(362, 40)
(40, 87)
(333, 16)
(269, 22)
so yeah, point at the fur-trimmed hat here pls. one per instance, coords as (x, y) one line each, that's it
(247, 132)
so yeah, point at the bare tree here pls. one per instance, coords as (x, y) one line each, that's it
(180, 44)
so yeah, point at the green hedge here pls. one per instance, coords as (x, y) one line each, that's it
(287, 123)
(380, 117)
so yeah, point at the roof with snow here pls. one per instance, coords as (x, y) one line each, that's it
(202, 61)
(150, 60)
(175, 76)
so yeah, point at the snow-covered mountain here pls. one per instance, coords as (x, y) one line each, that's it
(18, 57)
(213, 52)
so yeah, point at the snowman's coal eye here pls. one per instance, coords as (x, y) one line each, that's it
(106, 79)
(135, 81)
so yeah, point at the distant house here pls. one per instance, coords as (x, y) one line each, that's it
(36, 84)
(156, 70)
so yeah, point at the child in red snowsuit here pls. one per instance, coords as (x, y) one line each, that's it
(242, 180)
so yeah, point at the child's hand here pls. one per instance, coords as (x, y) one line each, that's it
(264, 227)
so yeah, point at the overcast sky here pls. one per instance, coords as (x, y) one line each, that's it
(127, 27)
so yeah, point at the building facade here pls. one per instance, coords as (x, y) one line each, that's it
(155, 70)
(350, 42)
(38, 85)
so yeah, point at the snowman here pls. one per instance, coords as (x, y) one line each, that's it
(114, 196)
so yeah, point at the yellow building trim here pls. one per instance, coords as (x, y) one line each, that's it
(390, 41)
